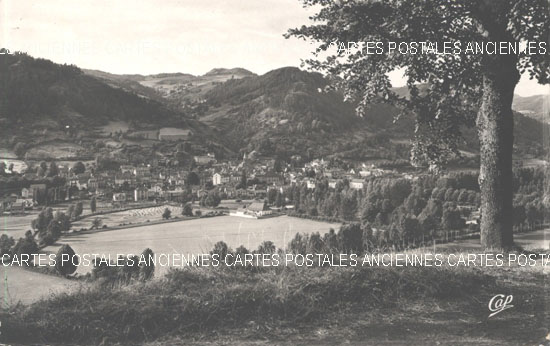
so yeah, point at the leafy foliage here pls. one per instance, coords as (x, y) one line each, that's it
(66, 260)
(452, 82)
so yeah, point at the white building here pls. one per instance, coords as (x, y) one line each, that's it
(356, 184)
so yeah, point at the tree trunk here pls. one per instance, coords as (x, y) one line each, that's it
(496, 135)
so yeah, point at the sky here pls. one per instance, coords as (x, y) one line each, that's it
(148, 37)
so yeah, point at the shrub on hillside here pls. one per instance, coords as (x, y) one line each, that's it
(187, 210)
(266, 247)
(66, 261)
(212, 199)
(133, 269)
(25, 246)
(6, 244)
(147, 265)
(220, 251)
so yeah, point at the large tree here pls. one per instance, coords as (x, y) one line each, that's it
(446, 91)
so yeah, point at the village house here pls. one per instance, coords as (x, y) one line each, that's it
(176, 180)
(231, 192)
(5, 204)
(127, 169)
(37, 189)
(216, 179)
(270, 178)
(221, 178)
(258, 209)
(119, 197)
(72, 181)
(204, 159)
(82, 181)
(356, 184)
(126, 177)
(155, 191)
(254, 210)
(174, 134)
(18, 207)
(93, 184)
(142, 171)
(141, 194)
(365, 173)
(173, 195)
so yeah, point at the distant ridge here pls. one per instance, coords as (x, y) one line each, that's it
(222, 71)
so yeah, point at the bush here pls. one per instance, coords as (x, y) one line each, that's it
(66, 261)
(6, 244)
(79, 208)
(220, 250)
(96, 223)
(187, 210)
(25, 246)
(135, 268)
(212, 199)
(147, 265)
(93, 205)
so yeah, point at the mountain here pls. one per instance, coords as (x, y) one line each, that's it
(536, 107)
(180, 90)
(283, 110)
(44, 104)
(130, 83)
(281, 113)
(229, 71)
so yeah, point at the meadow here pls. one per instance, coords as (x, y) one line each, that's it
(194, 236)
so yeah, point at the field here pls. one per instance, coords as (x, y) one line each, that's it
(185, 237)
(16, 225)
(192, 236)
(133, 216)
(114, 126)
(54, 150)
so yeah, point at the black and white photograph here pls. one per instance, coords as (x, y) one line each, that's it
(275, 172)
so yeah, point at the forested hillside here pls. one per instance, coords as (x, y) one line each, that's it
(39, 90)
(282, 113)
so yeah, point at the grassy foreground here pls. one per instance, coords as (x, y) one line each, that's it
(292, 305)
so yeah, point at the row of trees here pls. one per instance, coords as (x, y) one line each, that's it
(135, 268)
(409, 209)
(350, 238)
(25, 245)
(48, 225)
